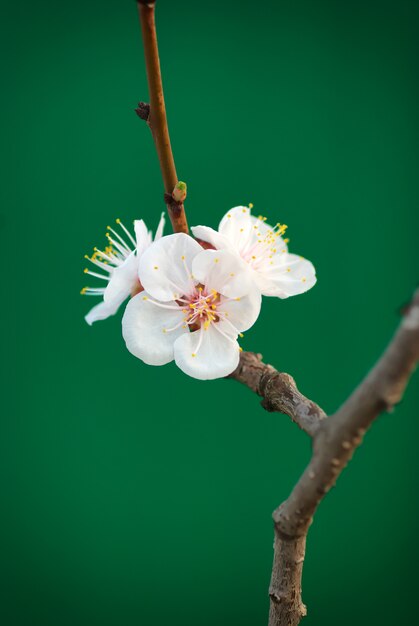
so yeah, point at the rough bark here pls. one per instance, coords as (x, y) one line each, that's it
(278, 391)
(334, 441)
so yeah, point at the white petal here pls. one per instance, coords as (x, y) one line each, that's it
(143, 328)
(216, 357)
(166, 266)
(240, 313)
(160, 228)
(101, 312)
(123, 281)
(223, 271)
(142, 236)
(290, 275)
(245, 232)
(205, 233)
(237, 226)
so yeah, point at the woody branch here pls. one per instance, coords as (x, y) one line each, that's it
(335, 438)
(334, 441)
(155, 115)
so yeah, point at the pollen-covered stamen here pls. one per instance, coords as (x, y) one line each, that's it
(126, 231)
(87, 271)
(202, 307)
(173, 307)
(122, 245)
(92, 291)
(122, 251)
(188, 273)
(112, 257)
(266, 246)
(102, 264)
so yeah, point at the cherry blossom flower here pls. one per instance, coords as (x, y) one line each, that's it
(195, 304)
(119, 261)
(263, 250)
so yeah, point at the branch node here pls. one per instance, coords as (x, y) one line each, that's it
(143, 111)
(173, 206)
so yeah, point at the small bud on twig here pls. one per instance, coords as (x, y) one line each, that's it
(143, 111)
(179, 192)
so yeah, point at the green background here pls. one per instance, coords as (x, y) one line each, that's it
(135, 495)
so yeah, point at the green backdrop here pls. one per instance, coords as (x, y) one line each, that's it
(135, 495)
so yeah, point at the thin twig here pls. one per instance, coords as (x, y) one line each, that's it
(157, 119)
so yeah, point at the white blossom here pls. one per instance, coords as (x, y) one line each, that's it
(195, 305)
(263, 251)
(119, 262)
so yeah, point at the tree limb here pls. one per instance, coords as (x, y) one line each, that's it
(156, 117)
(334, 441)
(279, 392)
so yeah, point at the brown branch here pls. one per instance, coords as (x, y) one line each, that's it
(156, 118)
(334, 442)
(279, 392)
(334, 439)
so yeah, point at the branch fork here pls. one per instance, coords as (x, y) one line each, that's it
(334, 438)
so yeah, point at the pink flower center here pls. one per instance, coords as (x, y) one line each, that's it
(201, 307)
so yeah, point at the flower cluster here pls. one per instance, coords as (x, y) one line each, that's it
(190, 304)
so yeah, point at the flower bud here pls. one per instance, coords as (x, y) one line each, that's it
(179, 192)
